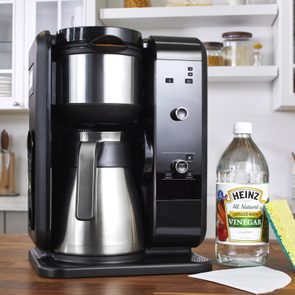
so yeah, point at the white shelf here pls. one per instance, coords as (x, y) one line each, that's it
(183, 17)
(5, 71)
(242, 74)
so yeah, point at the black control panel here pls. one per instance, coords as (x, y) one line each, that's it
(177, 124)
(179, 120)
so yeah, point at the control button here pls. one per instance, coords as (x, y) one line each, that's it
(188, 81)
(30, 141)
(168, 174)
(169, 80)
(189, 157)
(190, 74)
(180, 166)
(179, 114)
(190, 68)
(189, 174)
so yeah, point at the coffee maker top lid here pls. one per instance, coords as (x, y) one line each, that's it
(88, 34)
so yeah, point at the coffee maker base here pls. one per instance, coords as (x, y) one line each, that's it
(45, 264)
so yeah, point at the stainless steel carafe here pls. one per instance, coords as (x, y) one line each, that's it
(99, 214)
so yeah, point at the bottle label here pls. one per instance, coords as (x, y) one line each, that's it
(240, 217)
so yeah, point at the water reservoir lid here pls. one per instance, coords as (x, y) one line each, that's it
(82, 35)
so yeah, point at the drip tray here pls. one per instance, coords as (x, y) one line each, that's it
(46, 265)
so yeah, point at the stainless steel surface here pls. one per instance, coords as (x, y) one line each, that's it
(116, 228)
(86, 180)
(98, 78)
(100, 136)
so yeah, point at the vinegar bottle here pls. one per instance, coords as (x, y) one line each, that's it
(242, 191)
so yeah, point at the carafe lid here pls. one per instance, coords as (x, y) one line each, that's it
(242, 127)
(82, 35)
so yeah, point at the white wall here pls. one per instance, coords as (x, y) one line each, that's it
(272, 132)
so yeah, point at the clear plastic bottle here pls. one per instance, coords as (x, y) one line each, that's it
(242, 191)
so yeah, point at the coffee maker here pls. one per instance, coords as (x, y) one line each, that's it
(117, 153)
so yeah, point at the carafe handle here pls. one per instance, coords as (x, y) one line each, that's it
(86, 178)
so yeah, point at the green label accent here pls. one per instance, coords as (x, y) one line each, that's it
(240, 217)
(245, 222)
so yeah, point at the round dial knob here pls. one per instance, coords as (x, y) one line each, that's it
(180, 166)
(179, 114)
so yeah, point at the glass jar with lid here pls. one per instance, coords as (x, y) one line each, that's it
(137, 3)
(237, 49)
(189, 2)
(214, 53)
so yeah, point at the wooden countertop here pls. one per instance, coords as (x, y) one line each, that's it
(18, 277)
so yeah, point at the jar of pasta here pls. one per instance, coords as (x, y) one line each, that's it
(237, 49)
(214, 53)
(137, 3)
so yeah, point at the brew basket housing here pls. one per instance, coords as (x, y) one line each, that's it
(98, 72)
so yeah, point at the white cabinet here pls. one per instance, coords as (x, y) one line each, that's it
(14, 214)
(2, 222)
(283, 32)
(16, 222)
(11, 54)
(12, 222)
(54, 15)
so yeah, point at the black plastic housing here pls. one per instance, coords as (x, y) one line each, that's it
(39, 140)
(175, 204)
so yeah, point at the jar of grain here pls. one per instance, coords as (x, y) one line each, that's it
(137, 3)
(237, 49)
(214, 53)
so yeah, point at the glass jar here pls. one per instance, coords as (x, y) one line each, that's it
(189, 2)
(214, 53)
(137, 3)
(237, 49)
(260, 1)
(236, 2)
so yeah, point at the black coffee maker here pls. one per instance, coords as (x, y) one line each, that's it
(117, 153)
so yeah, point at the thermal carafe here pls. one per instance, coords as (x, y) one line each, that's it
(117, 153)
(98, 212)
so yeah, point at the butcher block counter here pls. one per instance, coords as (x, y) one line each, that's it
(18, 277)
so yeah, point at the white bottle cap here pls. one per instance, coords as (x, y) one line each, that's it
(242, 127)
